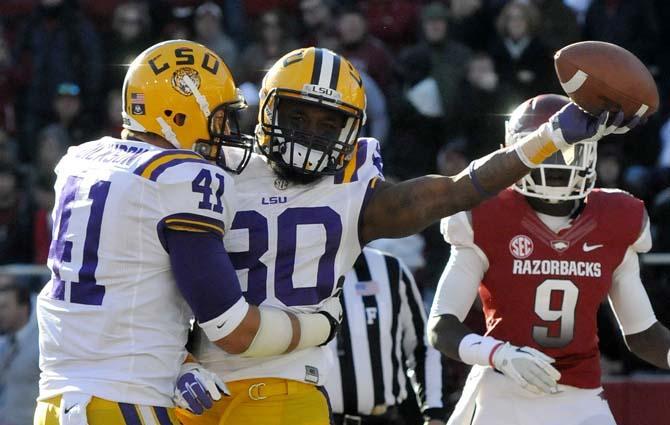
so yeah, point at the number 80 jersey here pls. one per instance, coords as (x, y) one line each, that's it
(290, 243)
(111, 319)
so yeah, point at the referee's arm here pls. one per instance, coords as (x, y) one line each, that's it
(423, 363)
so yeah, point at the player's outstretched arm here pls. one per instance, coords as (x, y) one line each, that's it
(651, 345)
(408, 207)
(398, 210)
(207, 280)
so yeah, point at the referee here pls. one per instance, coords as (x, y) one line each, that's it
(382, 342)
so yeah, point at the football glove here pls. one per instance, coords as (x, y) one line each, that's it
(332, 309)
(197, 388)
(572, 125)
(528, 367)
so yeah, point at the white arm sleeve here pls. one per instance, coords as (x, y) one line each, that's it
(457, 288)
(627, 297)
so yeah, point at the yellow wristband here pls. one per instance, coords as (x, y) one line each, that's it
(536, 147)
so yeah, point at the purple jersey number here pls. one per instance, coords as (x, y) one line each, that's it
(203, 184)
(258, 245)
(287, 251)
(85, 290)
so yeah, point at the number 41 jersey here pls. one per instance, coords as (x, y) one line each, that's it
(111, 319)
(290, 243)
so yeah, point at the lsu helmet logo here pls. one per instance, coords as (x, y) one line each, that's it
(185, 79)
(521, 246)
(322, 91)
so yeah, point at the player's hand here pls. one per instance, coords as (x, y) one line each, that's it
(572, 125)
(73, 409)
(332, 308)
(197, 388)
(615, 126)
(528, 367)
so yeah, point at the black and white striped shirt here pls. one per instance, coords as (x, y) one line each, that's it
(383, 341)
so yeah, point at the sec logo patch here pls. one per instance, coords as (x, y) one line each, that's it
(521, 246)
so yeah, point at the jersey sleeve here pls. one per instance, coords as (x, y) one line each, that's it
(643, 242)
(457, 287)
(627, 296)
(365, 165)
(457, 231)
(196, 196)
(360, 178)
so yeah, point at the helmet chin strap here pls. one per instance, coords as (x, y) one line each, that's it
(551, 201)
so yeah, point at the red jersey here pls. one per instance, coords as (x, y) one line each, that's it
(543, 289)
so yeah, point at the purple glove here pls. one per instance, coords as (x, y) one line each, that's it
(197, 388)
(573, 125)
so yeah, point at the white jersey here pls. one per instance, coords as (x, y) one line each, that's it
(290, 244)
(112, 321)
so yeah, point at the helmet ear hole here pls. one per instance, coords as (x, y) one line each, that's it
(167, 112)
(179, 119)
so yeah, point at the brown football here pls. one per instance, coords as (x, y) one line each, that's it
(601, 76)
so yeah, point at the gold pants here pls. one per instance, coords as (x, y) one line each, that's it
(265, 401)
(105, 412)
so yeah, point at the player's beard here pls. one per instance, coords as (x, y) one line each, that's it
(293, 176)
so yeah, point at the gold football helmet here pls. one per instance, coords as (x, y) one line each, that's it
(318, 79)
(185, 93)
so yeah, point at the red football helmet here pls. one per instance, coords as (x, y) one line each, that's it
(567, 174)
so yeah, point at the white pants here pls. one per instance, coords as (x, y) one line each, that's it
(490, 398)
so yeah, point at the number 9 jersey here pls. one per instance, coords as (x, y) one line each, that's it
(290, 244)
(543, 278)
(112, 321)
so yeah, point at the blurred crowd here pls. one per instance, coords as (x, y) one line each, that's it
(440, 77)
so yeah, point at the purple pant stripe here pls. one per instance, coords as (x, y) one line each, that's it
(162, 415)
(130, 415)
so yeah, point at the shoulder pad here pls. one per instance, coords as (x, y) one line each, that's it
(457, 229)
(365, 164)
(158, 163)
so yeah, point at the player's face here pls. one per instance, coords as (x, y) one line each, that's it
(310, 120)
(554, 177)
(312, 126)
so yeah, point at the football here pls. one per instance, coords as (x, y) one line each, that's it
(600, 76)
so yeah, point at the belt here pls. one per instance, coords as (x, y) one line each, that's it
(260, 389)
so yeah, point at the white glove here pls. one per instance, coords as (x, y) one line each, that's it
(528, 367)
(333, 307)
(197, 387)
(333, 304)
(73, 409)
